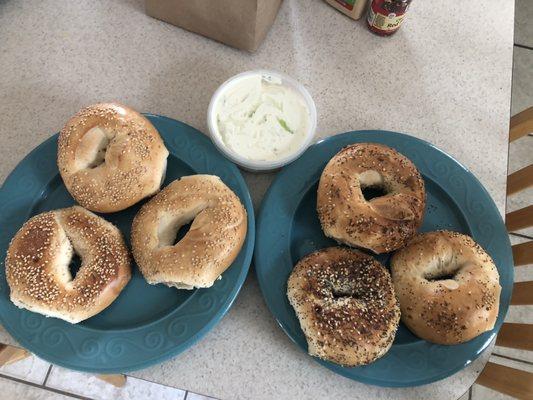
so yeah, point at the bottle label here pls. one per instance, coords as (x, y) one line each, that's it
(347, 3)
(387, 23)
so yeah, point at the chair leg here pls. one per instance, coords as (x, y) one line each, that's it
(521, 124)
(117, 380)
(11, 354)
(506, 380)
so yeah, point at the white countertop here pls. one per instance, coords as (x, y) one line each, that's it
(444, 77)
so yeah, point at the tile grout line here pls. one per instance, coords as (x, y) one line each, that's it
(47, 374)
(47, 388)
(521, 235)
(467, 391)
(523, 46)
(157, 383)
(513, 358)
(200, 394)
(203, 395)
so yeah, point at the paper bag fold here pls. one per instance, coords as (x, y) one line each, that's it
(239, 23)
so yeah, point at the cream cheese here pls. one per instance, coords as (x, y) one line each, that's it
(261, 119)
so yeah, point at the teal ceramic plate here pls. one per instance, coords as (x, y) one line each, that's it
(147, 323)
(288, 229)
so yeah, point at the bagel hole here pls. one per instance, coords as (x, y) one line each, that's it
(92, 148)
(372, 185)
(341, 291)
(182, 231)
(99, 158)
(74, 265)
(371, 192)
(339, 294)
(172, 228)
(172, 232)
(441, 275)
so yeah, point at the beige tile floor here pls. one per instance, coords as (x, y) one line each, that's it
(33, 378)
(36, 379)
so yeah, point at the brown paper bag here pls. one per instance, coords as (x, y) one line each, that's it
(238, 23)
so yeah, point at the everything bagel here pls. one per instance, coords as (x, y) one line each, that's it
(383, 223)
(346, 305)
(448, 287)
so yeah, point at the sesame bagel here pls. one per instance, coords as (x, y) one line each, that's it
(37, 264)
(346, 305)
(213, 241)
(383, 223)
(448, 287)
(110, 157)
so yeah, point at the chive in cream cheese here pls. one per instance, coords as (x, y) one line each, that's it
(261, 119)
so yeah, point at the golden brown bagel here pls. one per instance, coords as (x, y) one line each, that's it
(209, 247)
(37, 264)
(448, 287)
(346, 305)
(381, 224)
(110, 157)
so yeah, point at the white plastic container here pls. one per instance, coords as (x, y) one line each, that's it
(256, 165)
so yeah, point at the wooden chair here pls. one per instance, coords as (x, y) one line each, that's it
(11, 354)
(506, 380)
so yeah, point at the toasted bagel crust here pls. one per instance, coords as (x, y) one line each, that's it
(37, 264)
(346, 305)
(110, 157)
(448, 287)
(381, 224)
(209, 247)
